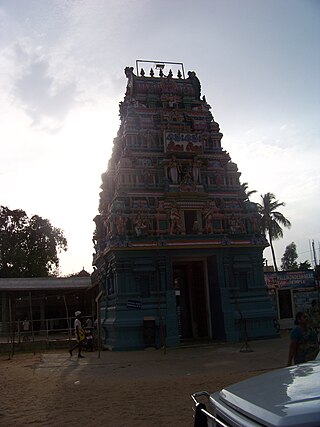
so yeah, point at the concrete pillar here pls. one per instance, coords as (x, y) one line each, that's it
(42, 313)
(4, 312)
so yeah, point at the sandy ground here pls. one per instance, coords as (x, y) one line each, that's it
(141, 388)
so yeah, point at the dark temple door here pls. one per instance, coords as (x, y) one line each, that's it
(191, 299)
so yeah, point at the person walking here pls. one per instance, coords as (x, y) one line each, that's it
(304, 344)
(79, 333)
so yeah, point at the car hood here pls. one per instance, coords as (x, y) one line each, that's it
(285, 397)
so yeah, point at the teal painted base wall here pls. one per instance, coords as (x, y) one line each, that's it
(138, 287)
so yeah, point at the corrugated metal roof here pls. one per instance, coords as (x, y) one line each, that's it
(44, 283)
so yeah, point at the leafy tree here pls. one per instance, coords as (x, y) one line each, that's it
(289, 259)
(304, 265)
(271, 220)
(29, 247)
(12, 226)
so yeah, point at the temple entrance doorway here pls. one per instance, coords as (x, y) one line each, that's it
(191, 301)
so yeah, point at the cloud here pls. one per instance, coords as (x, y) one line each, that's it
(65, 55)
(45, 100)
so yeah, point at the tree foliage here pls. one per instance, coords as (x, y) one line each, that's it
(289, 259)
(271, 220)
(29, 247)
(305, 265)
(245, 190)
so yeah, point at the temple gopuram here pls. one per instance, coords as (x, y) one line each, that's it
(178, 251)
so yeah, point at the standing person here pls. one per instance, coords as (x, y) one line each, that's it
(303, 344)
(88, 323)
(89, 334)
(79, 333)
(26, 327)
(314, 315)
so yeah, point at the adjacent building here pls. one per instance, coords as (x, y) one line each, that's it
(291, 291)
(46, 301)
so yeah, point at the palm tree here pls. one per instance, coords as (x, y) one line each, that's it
(244, 188)
(271, 220)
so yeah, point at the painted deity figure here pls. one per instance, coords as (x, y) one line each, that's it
(236, 225)
(187, 178)
(139, 225)
(195, 83)
(107, 227)
(173, 170)
(175, 227)
(128, 71)
(120, 223)
(240, 226)
(148, 178)
(208, 220)
(233, 224)
(255, 224)
(129, 74)
(99, 232)
(196, 170)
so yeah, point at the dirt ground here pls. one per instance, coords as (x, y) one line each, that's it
(132, 389)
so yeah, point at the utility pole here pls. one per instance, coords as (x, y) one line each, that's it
(316, 271)
(314, 254)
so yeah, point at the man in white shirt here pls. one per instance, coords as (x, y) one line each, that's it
(26, 327)
(79, 333)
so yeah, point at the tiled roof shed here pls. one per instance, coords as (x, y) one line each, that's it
(44, 283)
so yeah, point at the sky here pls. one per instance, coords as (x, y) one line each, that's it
(61, 81)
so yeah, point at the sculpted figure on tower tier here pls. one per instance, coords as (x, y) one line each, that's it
(120, 223)
(139, 225)
(196, 170)
(208, 219)
(175, 226)
(195, 83)
(173, 170)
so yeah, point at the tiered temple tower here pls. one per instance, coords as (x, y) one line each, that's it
(178, 248)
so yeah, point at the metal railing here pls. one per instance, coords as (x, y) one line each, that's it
(52, 329)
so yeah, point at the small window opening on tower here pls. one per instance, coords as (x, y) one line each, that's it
(190, 221)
